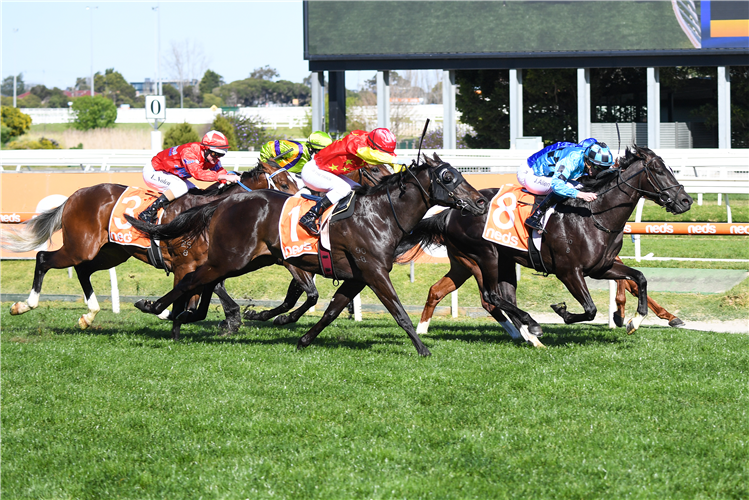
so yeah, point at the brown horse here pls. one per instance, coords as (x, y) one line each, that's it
(84, 220)
(244, 235)
(630, 286)
(581, 239)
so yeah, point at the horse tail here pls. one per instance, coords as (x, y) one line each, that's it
(189, 224)
(34, 232)
(428, 232)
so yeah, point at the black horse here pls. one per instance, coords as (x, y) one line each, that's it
(244, 236)
(581, 239)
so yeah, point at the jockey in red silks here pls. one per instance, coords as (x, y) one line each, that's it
(170, 169)
(326, 172)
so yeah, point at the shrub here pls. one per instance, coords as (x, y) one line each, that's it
(224, 126)
(212, 100)
(94, 112)
(434, 140)
(14, 123)
(42, 143)
(249, 132)
(180, 134)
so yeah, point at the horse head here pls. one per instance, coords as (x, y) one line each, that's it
(658, 182)
(270, 177)
(450, 189)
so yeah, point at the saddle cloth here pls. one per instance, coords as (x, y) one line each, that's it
(131, 202)
(507, 213)
(295, 240)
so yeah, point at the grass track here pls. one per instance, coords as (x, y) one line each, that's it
(122, 411)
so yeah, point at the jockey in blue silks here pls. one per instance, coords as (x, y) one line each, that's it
(554, 171)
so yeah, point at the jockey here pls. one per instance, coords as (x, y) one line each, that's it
(554, 171)
(327, 171)
(170, 169)
(293, 155)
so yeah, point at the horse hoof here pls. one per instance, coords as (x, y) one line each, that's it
(619, 320)
(425, 352)
(676, 323)
(144, 305)
(300, 345)
(560, 309)
(536, 330)
(19, 308)
(83, 323)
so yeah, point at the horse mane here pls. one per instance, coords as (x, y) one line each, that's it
(391, 180)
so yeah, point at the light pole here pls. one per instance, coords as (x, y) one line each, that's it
(158, 48)
(91, 11)
(15, 59)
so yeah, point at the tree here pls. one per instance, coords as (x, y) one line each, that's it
(224, 126)
(483, 99)
(551, 112)
(264, 73)
(94, 112)
(186, 61)
(180, 134)
(49, 98)
(257, 92)
(249, 132)
(210, 81)
(171, 94)
(7, 86)
(114, 86)
(14, 123)
(30, 101)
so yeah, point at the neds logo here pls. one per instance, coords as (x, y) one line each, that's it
(664, 228)
(702, 229)
(10, 218)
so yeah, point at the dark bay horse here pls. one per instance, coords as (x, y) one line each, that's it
(244, 235)
(303, 282)
(84, 220)
(581, 239)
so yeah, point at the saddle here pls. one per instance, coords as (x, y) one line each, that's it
(342, 210)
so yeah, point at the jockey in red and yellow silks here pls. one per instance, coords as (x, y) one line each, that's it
(169, 170)
(326, 171)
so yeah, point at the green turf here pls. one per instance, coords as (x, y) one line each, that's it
(121, 411)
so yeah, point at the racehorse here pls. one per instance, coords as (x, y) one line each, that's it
(302, 281)
(244, 235)
(84, 220)
(581, 239)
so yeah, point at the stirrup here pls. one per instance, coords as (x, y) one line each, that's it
(310, 225)
(145, 216)
(534, 224)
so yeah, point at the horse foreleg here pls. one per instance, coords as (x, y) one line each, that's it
(345, 294)
(305, 281)
(659, 310)
(231, 310)
(575, 284)
(378, 280)
(84, 272)
(192, 316)
(619, 271)
(454, 279)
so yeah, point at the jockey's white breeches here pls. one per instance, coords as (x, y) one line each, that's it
(336, 187)
(532, 182)
(164, 181)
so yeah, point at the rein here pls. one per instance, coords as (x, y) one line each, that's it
(660, 191)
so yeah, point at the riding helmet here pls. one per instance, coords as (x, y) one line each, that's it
(600, 154)
(215, 141)
(382, 139)
(319, 140)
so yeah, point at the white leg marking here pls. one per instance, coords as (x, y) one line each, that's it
(423, 327)
(93, 309)
(529, 337)
(634, 324)
(33, 300)
(164, 314)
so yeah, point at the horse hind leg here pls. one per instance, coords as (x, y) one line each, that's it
(45, 261)
(305, 281)
(454, 279)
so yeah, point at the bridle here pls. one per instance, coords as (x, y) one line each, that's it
(661, 192)
(435, 177)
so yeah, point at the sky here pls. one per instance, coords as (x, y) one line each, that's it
(53, 43)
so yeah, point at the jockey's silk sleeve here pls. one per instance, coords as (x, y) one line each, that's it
(374, 156)
(199, 168)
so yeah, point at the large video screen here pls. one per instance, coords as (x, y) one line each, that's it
(508, 28)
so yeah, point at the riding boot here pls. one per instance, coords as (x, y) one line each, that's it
(311, 219)
(149, 214)
(535, 220)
